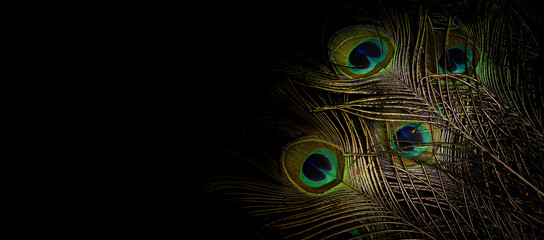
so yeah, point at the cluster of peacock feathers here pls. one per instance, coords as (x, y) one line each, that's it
(418, 125)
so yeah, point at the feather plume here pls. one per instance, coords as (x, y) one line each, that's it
(419, 125)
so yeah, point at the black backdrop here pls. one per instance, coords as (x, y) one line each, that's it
(236, 44)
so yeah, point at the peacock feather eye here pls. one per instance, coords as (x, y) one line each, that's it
(313, 165)
(319, 168)
(454, 54)
(408, 143)
(360, 52)
(410, 139)
(457, 59)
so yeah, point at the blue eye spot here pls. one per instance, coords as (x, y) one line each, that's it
(314, 165)
(319, 168)
(366, 56)
(456, 60)
(407, 137)
(360, 55)
(410, 139)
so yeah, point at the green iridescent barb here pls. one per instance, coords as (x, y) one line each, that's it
(422, 124)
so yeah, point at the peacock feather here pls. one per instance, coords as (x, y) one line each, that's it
(421, 121)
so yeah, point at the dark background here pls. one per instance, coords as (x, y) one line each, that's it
(236, 45)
